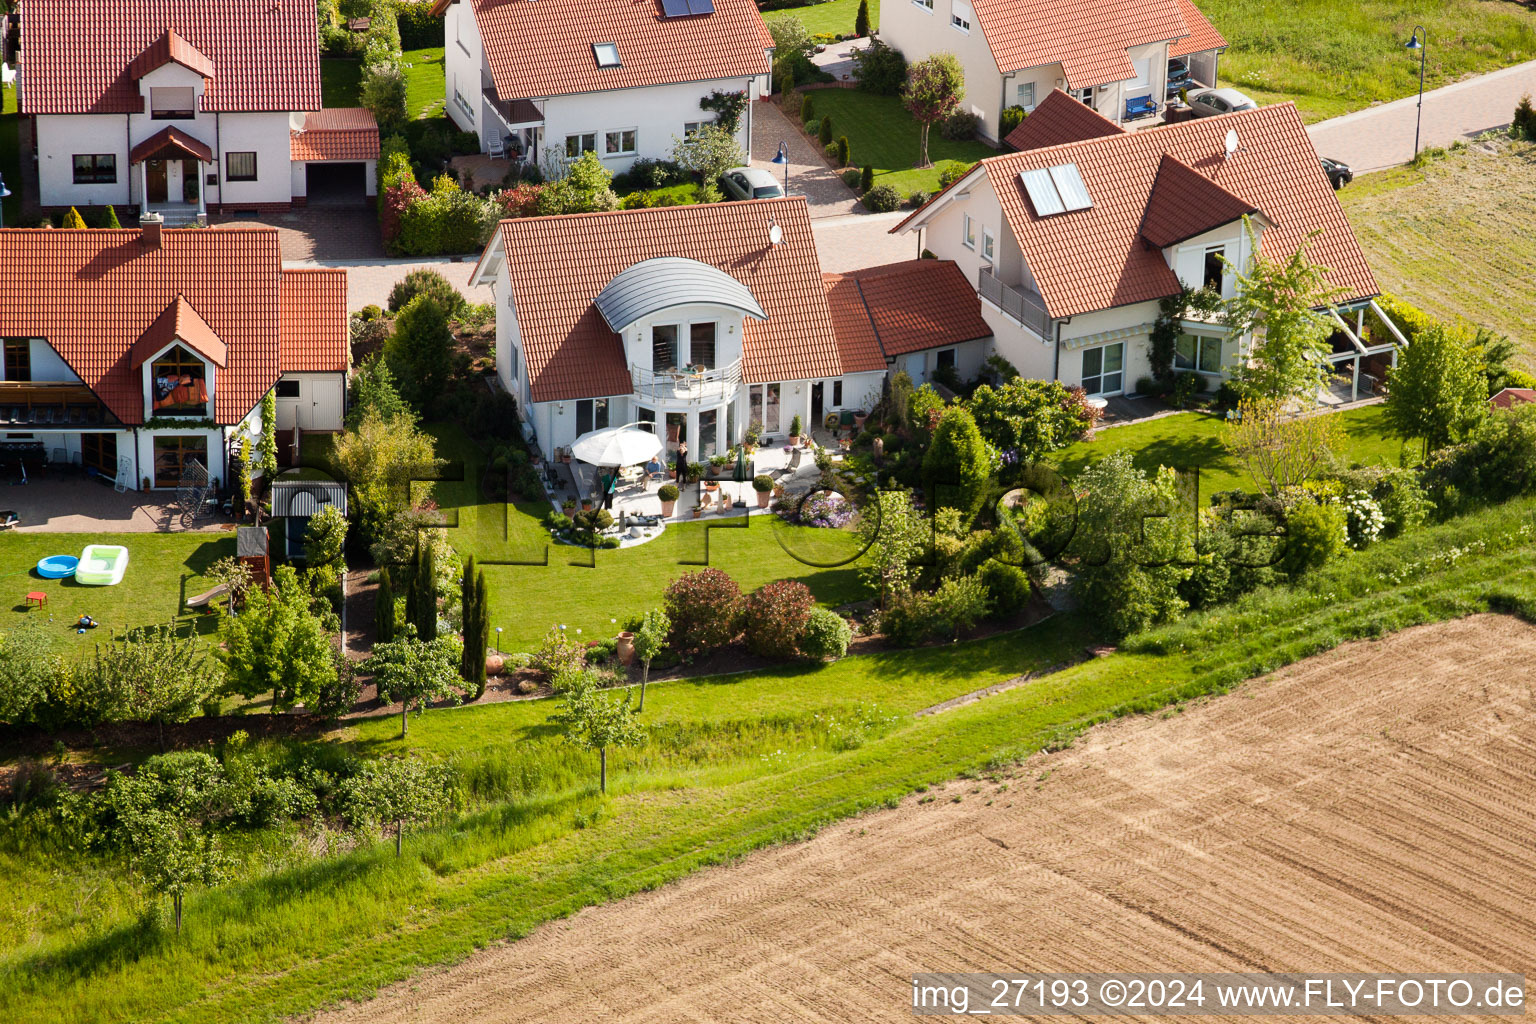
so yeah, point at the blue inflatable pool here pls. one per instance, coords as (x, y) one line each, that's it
(56, 567)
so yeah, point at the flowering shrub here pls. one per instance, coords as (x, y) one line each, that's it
(822, 508)
(775, 615)
(705, 609)
(826, 635)
(522, 200)
(1365, 519)
(559, 654)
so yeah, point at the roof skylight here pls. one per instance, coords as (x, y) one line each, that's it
(607, 54)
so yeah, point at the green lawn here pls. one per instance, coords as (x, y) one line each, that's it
(1192, 439)
(832, 18)
(163, 568)
(527, 599)
(731, 764)
(1333, 56)
(1456, 238)
(340, 78)
(882, 134)
(10, 155)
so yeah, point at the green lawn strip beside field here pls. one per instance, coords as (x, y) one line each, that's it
(1333, 56)
(151, 591)
(882, 134)
(835, 17)
(1193, 439)
(341, 927)
(1456, 238)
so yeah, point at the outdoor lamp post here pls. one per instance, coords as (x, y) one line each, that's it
(498, 639)
(1423, 47)
(4, 194)
(782, 157)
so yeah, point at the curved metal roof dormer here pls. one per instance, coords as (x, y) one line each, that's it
(664, 282)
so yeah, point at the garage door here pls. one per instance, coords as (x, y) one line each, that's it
(322, 409)
(335, 184)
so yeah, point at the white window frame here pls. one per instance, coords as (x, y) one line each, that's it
(460, 101)
(926, 5)
(690, 127)
(579, 150)
(1201, 340)
(597, 56)
(988, 245)
(1206, 253)
(1018, 100)
(1099, 377)
(956, 21)
(172, 113)
(968, 232)
(634, 142)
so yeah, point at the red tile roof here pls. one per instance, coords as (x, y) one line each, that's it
(1095, 259)
(314, 337)
(336, 133)
(81, 54)
(1509, 398)
(1059, 119)
(170, 144)
(1185, 203)
(907, 307)
(179, 322)
(558, 265)
(1202, 34)
(858, 345)
(93, 294)
(1089, 39)
(539, 48)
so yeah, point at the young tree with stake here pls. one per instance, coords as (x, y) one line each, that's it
(592, 721)
(416, 672)
(176, 855)
(935, 87)
(397, 792)
(649, 641)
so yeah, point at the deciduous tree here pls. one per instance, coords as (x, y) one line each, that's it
(415, 672)
(708, 153)
(175, 855)
(650, 640)
(398, 792)
(278, 645)
(1280, 449)
(935, 87)
(592, 721)
(1438, 390)
(152, 675)
(27, 668)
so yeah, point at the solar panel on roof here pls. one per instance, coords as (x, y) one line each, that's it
(1042, 192)
(674, 8)
(1069, 185)
(701, 6)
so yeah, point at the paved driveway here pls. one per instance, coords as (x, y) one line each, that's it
(809, 174)
(862, 240)
(369, 282)
(1381, 137)
(321, 232)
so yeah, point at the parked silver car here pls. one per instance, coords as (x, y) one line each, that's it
(1210, 102)
(750, 183)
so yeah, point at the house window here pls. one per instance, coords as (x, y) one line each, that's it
(240, 166)
(1104, 369)
(1197, 352)
(988, 243)
(95, 169)
(926, 5)
(763, 408)
(692, 127)
(459, 100)
(591, 414)
(582, 142)
(969, 238)
(663, 347)
(18, 359)
(174, 457)
(619, 143)
(701, 345)
(709, 420)
(960, 16)
(645, 418)
(1215, 268)
(177, 384)
(837, 393)
(287, 388)
(172, 104)
(99, 452)
(1024, 95)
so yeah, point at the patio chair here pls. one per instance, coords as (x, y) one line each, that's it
(495, 147)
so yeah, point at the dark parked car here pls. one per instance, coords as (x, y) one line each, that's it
(1178, 76)
(1338, 173)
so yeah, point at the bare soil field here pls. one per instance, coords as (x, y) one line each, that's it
(1371, 809)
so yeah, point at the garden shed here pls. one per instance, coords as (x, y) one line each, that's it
(294, 501)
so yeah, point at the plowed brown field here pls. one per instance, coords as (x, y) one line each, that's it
(1372, 809)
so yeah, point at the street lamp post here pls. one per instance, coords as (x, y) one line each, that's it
(4, 194)
(782, 157)
(1423, 47)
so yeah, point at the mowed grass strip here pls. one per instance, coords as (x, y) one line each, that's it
(339, 928)
(341, 82)
(836, 17)
(883, 135)
(1456, 238)
(1334, 56)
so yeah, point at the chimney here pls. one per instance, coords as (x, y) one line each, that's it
(150, 225)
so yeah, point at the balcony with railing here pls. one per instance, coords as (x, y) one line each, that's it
(687, 385)
(1028, 308)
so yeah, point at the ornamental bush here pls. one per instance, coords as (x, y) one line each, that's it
(1363, 518)
(880, 69)
(1314, 535)
(774, 615)
(1011, 119)
(958, 604)
(826, 635)
(1008, 586)
(705, 609)
(882, 199)
(426, 282)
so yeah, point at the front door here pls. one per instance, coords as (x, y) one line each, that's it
(99, 452)
(817, 403)
(154, 182)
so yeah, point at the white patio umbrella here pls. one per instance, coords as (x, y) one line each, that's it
(616, 446)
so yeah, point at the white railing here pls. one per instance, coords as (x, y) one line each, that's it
(1025, 307)
(687, 385)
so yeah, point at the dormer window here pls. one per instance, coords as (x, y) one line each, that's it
(178, 384)
(172, 104)
(607, 54)
(1215, 267)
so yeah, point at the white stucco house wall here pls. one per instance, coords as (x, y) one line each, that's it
(136, 353)
(547, 80)
(1073, 243)
(186, 109)
(1103, 52)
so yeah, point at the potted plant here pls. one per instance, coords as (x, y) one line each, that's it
(794, 431)
(763, 485)
(695, 472)
(717, 464)
(568, 506)
(668, 494)
(586, 504)
(753, 437)
(859, 416)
